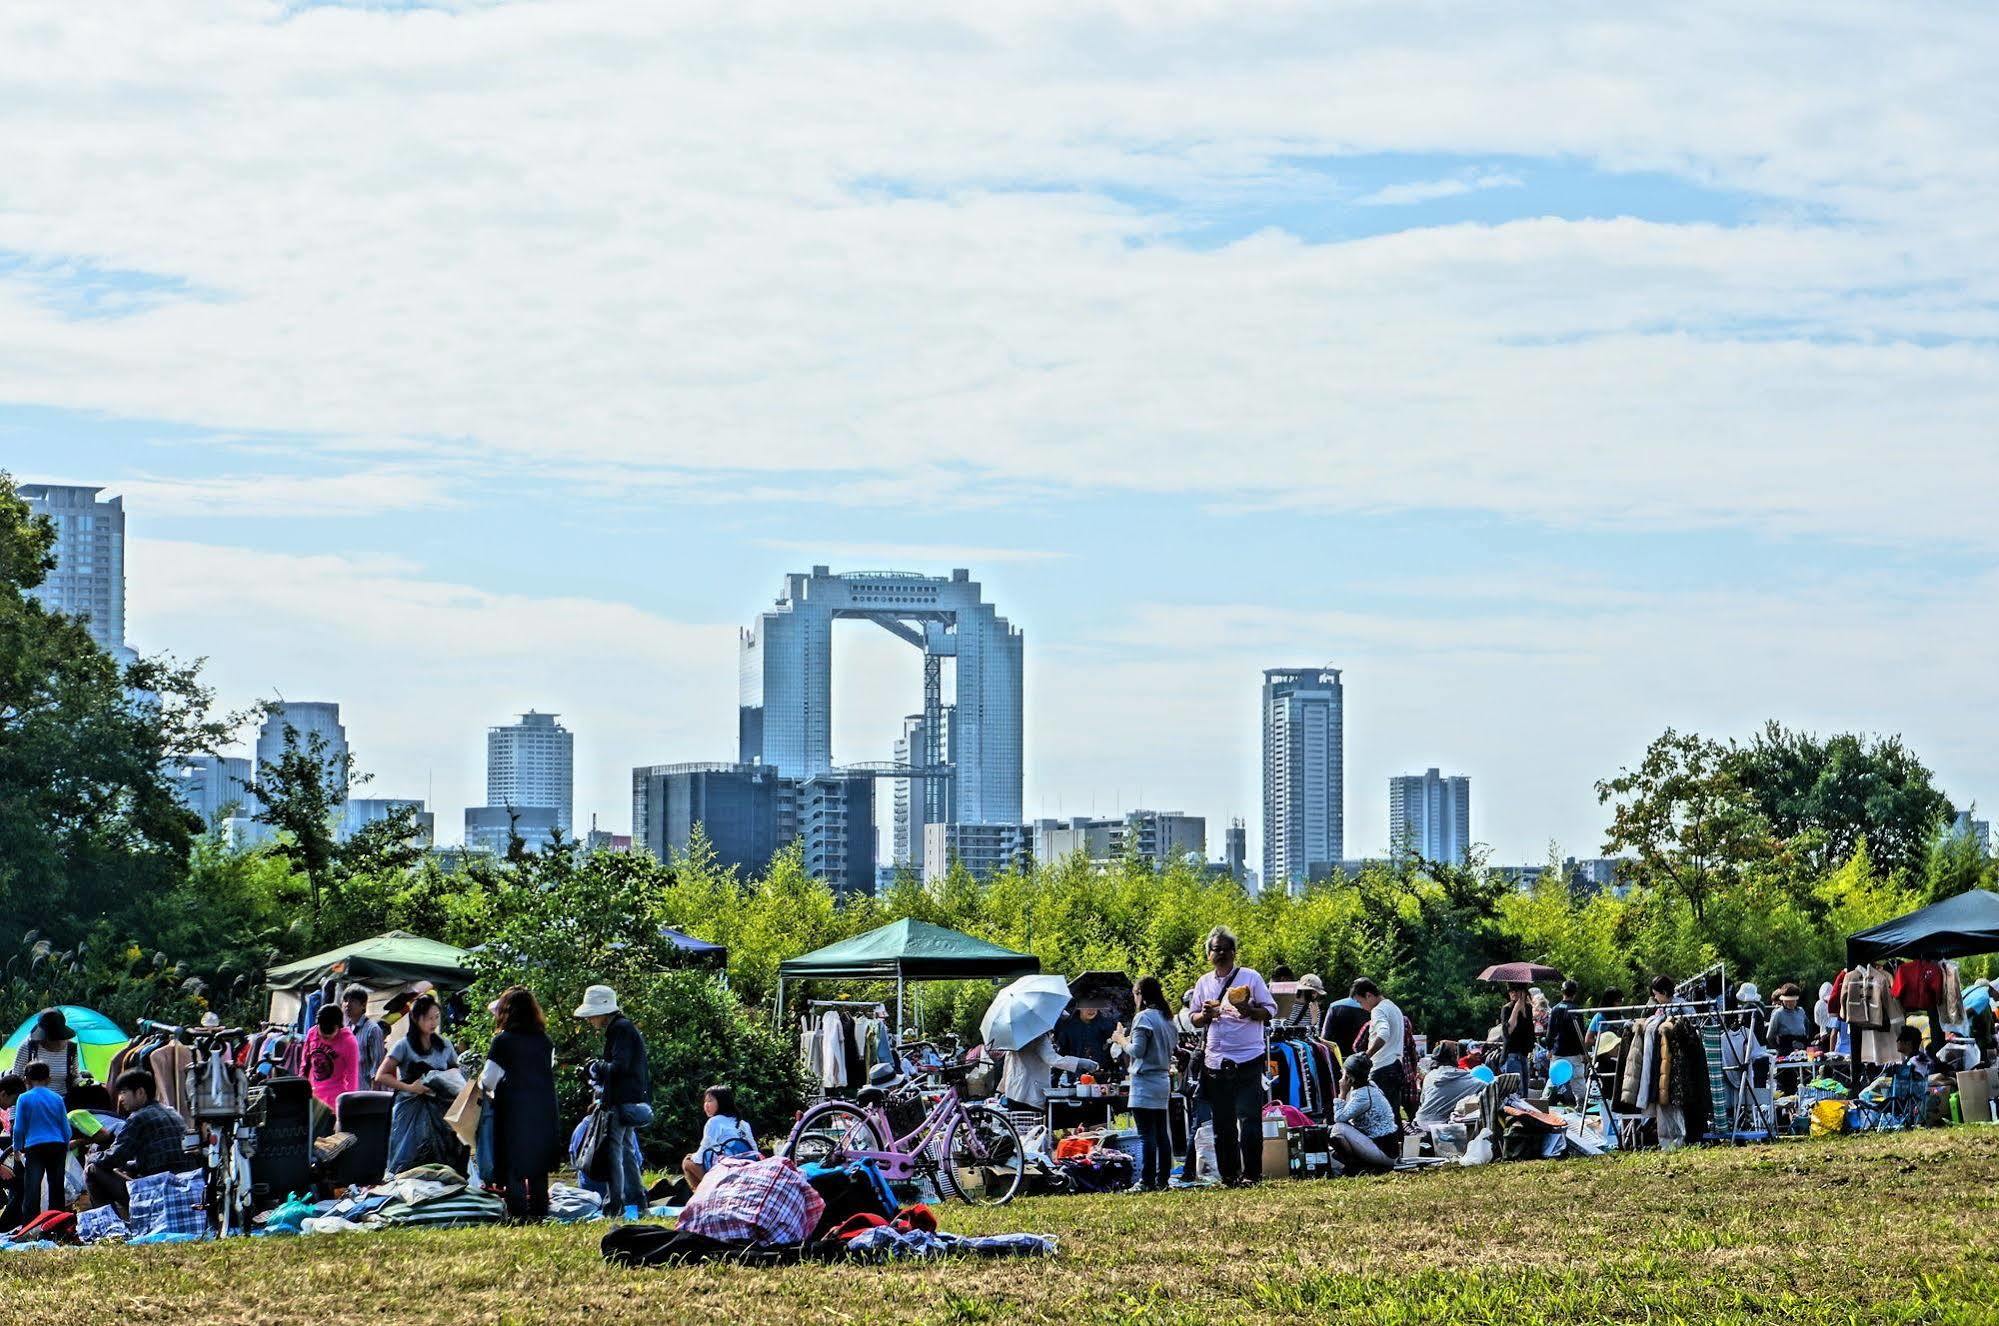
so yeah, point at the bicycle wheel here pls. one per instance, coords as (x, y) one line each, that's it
(984, 1160)
(829, 1129)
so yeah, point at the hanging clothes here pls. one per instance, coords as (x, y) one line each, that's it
(832, 1052)
(1918, 985)
(1862, 998)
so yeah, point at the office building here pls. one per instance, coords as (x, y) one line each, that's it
(1303, 791)
(359, 812)
(1429, 816)
(785, 718)
(1154, 836)
(213, 787)
(492, 828)
(307, 719)
(89, 576)
(529, 764)
(984, 850)
(1979, 831)
(1235, 851)
(749, 813)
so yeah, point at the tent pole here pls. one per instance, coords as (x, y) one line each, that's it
(901, 1033)
(780, 1001)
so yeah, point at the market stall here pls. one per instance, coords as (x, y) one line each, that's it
(904, 951)
(1877, 995)
(386, 965)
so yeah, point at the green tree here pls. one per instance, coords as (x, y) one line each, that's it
(299, 795)
(1829, 793)
(1687, 815)
(90, 824)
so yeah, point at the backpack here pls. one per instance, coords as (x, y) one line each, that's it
(855, 1188)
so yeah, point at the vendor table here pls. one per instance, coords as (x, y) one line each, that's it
(1096, 1109)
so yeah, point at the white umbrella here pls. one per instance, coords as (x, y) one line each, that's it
(1028, 1008)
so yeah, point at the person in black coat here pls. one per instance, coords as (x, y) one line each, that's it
(527, 1134)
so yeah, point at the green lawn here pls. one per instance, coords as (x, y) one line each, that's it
(1897, 1229)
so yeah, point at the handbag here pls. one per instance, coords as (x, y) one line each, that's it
(463, 1115)
(596, 1131)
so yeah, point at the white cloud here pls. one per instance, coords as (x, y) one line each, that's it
(1427, 191)
(290, 496)
(896, 555)
(421, 667)
(677, 242)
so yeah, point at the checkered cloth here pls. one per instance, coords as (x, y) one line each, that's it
(754, 1201)
(168, 1204)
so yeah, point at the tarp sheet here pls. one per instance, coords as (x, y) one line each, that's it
(698, 952)
(1957, 927)
(396, 958)
(913, 950)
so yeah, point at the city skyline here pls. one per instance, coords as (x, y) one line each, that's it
(1660, 397)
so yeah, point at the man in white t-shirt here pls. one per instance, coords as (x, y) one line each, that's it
(1385, 1036)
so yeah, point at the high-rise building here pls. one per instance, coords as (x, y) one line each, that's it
(785, 717)
(1235, 851)
(213, 786)
(920, 801)
(89, 576)
(529, 764)
(306, 718)
(984, 850)
(749, 812)
(1303, 791)
(360, 812)
(1158, 837)
(1429, 816)
(493, 828)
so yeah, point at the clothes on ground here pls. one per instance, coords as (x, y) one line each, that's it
(40, 1118)
(758, 1201)
(886, 1243)
(1233, 1036)
(332, 1064)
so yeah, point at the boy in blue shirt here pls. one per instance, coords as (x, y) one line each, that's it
(41, 1134)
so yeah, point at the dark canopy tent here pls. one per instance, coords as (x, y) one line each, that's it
(906, 950)
(1954, 928)
(695, 952)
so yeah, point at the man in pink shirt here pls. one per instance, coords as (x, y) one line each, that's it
(1232, 1004)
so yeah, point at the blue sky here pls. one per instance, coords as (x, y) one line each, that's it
(1555, 402)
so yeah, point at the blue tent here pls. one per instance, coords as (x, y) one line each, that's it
(697, 952)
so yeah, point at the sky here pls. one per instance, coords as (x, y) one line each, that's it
(1560, 374)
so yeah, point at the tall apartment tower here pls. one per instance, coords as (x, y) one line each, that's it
(917, 801)
(532, 764)
(1429, 816)
(89, 576)
(785, 666)
(1303, 789)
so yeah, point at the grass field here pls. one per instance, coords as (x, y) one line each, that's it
(1897, 1229)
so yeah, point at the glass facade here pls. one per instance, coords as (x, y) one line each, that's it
(1303, 761)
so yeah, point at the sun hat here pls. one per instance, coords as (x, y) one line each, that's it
(53, 1026)
(1310, 982)
(598, 1001)
(1748, 993)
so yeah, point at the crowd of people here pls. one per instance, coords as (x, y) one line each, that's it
(521, 1139)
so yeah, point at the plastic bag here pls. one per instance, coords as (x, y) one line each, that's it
(1828, 1118)
(1478, 1151)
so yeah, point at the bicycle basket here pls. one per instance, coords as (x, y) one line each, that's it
(215, 1089)
(906, 1111)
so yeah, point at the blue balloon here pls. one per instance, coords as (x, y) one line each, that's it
(1485, 1075)
(1560, 1072)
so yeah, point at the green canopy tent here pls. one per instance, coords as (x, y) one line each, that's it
(386, 962)
(905, 951)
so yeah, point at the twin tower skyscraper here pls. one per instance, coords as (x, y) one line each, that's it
(961, 760)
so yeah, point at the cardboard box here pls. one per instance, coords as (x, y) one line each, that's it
(1974, 1096)
(1276, 1157)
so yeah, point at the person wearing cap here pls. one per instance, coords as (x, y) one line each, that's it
(54, 1044)
(369, 1036)
(624, 1079)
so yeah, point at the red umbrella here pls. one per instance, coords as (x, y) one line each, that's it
(1519, 973)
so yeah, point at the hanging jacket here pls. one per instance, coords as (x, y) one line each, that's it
(1863, 999)
(1918, 984)
(1951, 1002)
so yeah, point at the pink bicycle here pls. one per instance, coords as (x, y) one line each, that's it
(968, 1150)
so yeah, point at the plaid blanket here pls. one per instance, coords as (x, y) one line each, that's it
(754, 1201)
(168, 1204)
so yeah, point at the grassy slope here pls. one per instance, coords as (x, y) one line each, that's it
(1863, 1230)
